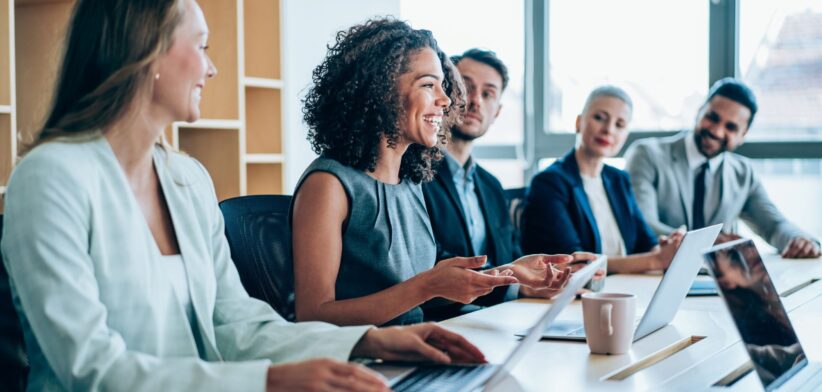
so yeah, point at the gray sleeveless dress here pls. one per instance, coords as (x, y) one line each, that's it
(387, 238)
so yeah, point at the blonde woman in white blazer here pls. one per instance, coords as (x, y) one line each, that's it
(119, 268)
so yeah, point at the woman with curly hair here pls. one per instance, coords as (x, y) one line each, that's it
(364, 251)
(115, 246)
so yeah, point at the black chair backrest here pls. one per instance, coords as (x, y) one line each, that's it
(14, 362)
(259, 236)
(514, 193)
(516, 205)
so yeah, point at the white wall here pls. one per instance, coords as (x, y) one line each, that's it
(308, 27)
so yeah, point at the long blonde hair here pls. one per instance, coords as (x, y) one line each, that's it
(107, 62)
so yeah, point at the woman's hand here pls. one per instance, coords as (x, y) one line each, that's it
(426, 342)
(666, 250)
(323, 375)
(539, 276)
(454, 279)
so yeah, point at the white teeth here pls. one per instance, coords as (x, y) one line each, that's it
(436, 121)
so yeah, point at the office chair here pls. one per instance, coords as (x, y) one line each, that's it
(259, 236)
(516, 205)
(14, 364)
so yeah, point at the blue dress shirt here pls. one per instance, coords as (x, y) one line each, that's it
(465, 182)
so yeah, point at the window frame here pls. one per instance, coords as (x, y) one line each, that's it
(539, 142)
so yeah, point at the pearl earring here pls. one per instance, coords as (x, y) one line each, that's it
(157, 76)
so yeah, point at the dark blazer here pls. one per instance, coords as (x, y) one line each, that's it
(559, 219)
(451, 231)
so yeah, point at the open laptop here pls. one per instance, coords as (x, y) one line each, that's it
(433, 377)
(668, 296)
(761, 319)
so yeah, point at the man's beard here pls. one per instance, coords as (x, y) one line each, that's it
(704, 133)
(458, 134)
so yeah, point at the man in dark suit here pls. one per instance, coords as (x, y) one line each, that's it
(466, 204)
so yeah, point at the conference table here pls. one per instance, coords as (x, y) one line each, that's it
(699, 350)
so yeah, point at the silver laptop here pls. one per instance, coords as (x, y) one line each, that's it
(432, 377)
(760, 318)
(668, 295)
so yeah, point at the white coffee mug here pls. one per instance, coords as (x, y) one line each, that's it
(609, 321)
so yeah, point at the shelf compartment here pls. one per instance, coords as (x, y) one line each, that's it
(39, 34)
(262, 82)
(264, 158)
(262, 38)
(219, 151)
(263, 121)
(5, 54)
(264, 179)
(221, 94)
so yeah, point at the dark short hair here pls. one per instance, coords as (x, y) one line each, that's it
(736, 91)
(355, 100)
(486, 57)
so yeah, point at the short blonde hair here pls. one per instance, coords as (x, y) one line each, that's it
(608, 91)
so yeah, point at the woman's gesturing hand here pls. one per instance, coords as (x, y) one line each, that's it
(455, 280)
(544, 276)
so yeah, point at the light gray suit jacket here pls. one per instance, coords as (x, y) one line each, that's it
(663, 184)
(97, 311)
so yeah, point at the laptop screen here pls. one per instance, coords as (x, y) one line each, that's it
(757, 311)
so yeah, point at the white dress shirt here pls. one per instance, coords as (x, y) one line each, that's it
(610, 237)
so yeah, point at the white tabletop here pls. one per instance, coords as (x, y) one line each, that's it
(716, 352)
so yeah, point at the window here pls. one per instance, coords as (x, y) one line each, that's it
(459, 25)
(780, 57)
(661, 61)
(793, 185)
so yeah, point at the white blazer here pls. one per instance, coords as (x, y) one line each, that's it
(96, 309)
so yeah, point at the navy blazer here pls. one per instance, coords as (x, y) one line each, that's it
(449, 224)
(559, 219)
(451, 230)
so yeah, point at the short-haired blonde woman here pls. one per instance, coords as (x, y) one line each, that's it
(581, 204)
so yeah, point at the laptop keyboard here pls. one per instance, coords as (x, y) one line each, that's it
(440, 378)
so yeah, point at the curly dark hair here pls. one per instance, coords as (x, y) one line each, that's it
(355, 99)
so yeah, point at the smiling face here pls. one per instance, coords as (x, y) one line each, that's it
(722, 125)
(182, 71)
(603, 127)
(483, 86)
(423, 98)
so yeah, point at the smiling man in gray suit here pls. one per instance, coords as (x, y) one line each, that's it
(694, 179)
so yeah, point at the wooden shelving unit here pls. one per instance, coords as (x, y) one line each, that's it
(262, 85)
(239, 137)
